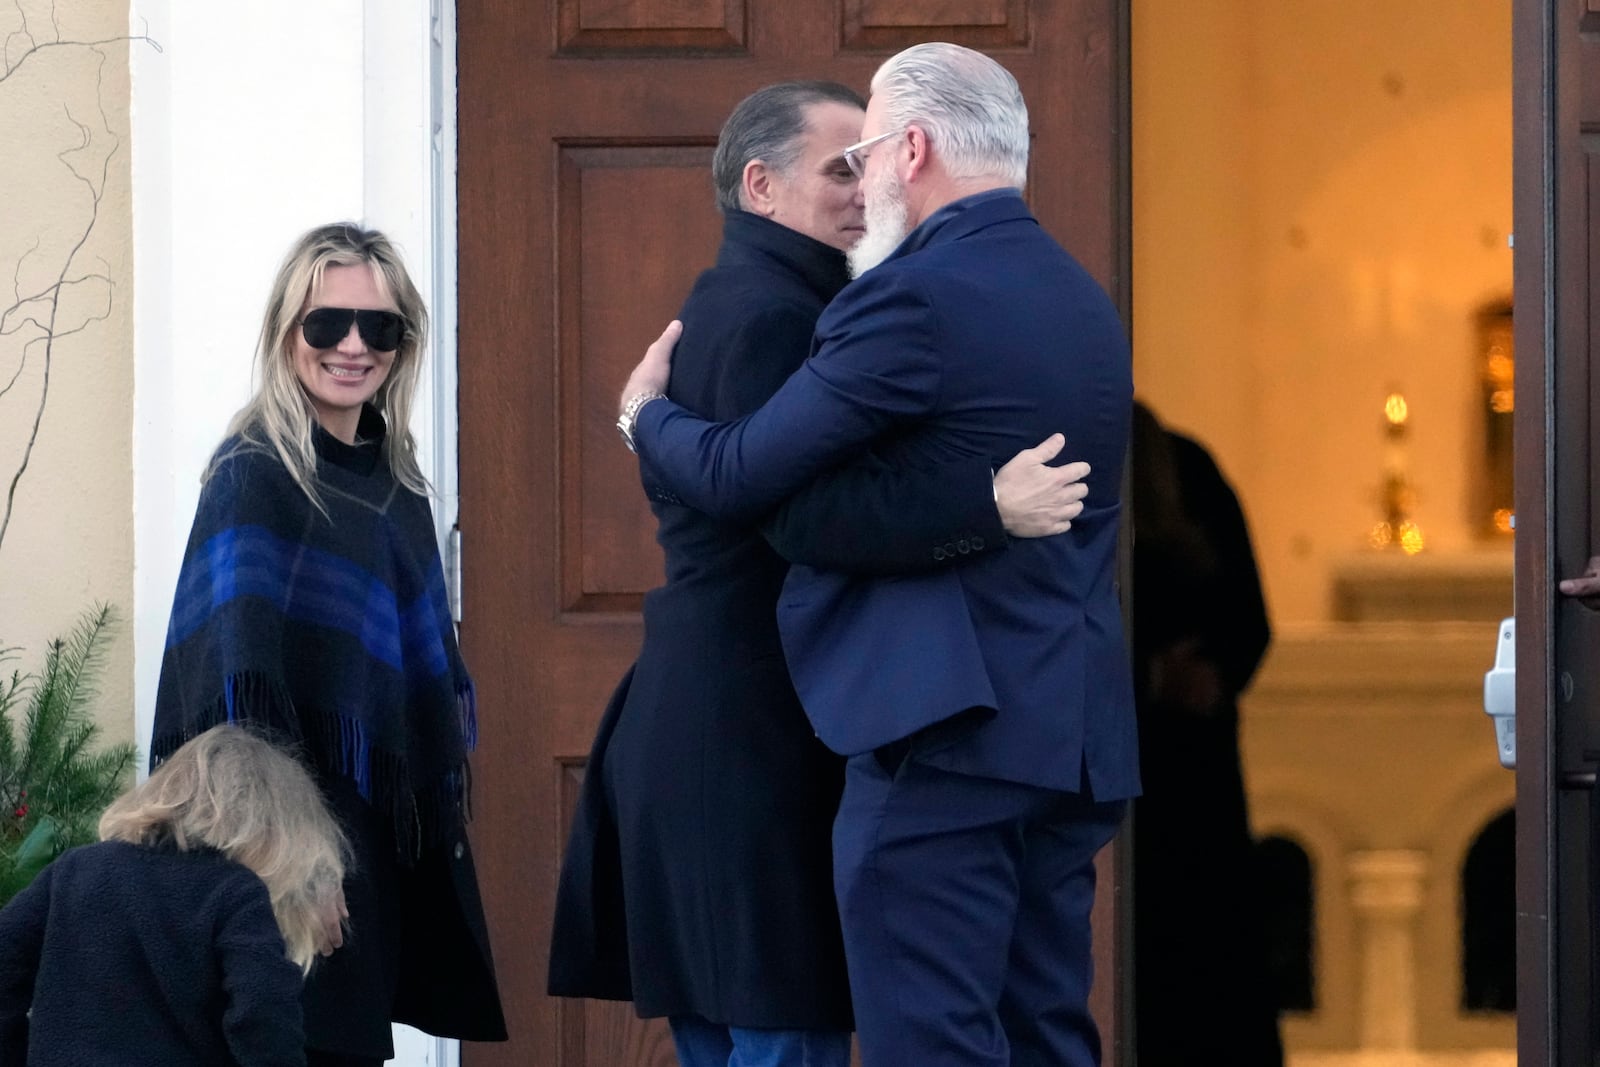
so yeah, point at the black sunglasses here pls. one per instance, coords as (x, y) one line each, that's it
(326, 327)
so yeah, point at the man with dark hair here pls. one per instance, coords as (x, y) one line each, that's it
(986, 708)
(698, 881)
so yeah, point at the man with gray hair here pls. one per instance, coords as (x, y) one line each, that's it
(986, 710)
(698, 881)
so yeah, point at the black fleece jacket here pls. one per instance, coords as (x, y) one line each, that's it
(132, 956)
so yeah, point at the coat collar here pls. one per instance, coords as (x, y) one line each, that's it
(750, 241)
(360, 458)
(960, 217)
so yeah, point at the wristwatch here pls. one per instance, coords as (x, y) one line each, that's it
(630, 415)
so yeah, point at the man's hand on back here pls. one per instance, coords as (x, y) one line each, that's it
(1036, 500)
(651, 375)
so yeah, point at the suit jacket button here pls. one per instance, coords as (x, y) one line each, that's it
(964, 546)
(977, 544)
(950, 548)
(938, 553)
(460, 850)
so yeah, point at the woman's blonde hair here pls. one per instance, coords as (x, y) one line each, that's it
(280, 416)
(233, 791)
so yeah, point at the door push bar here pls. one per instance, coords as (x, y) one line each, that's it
(1500, 694)
(1499, 702)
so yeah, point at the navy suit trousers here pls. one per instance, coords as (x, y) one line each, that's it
(965, 905)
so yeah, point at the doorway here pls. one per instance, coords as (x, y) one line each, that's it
(586, 211)
(1322, 201)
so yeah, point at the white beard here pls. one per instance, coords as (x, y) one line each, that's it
(886, 220)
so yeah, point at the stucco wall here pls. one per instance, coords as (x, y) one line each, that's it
(69, 541)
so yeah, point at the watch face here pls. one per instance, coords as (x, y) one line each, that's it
(630, 415)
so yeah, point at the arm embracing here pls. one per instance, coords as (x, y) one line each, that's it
(875, 367)
(873, 517)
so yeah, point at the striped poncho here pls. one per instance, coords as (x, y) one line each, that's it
(331, 631)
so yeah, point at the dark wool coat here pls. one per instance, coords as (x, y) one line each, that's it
(133, 956)
(698, 878)
(333, 632)
(1203, 989)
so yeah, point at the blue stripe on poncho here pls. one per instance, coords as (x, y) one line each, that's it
(331, 631)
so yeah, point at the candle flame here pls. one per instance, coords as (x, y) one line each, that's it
(1394, 409)
(1411, 540)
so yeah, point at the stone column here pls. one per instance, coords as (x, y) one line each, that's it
(1386, 889)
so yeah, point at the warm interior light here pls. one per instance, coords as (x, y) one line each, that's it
(1394, 409)
(1410, 538)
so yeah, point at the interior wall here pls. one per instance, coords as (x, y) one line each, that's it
(1322, 198)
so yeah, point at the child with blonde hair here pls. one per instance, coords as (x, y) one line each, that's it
(184, 935)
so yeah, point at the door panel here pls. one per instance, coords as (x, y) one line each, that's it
(1557, 190)
(586, 131)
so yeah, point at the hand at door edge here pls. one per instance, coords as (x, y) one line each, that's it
(1586, 587)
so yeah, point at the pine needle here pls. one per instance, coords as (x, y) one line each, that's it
(54, 778)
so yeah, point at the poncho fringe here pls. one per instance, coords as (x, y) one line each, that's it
(420, 814)
(329, 630)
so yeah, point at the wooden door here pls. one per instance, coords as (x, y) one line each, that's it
(1557, 222)
(586, 131)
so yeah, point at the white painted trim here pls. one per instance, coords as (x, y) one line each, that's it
(409, 133)
(257, 120)
(153, 445)
(247, 130)
(445, 469)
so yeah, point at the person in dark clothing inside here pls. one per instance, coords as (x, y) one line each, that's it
(1200, 630)
(698, 882)
(182, 938)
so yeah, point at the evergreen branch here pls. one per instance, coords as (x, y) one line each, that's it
(109, 771)
(54, 783)
(84, 656)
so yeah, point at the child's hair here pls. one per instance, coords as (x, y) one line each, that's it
(233, 791)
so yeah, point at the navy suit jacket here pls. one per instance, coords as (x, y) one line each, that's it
(978, 337)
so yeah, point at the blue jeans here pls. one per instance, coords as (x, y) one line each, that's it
(704, 1044)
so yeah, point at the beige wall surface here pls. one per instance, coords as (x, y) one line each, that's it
(64, 131)
(1322, 197)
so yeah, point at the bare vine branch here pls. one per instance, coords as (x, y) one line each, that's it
(36, 46)
(87, 162)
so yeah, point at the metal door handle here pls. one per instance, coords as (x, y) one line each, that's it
(1500, 694)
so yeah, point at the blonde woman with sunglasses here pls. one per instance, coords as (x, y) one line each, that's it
(312, 602)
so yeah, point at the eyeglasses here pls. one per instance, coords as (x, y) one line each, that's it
(326, 327)
(855, 157)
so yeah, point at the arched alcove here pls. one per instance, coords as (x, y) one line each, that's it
(1488, 918)
(1288, 892)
